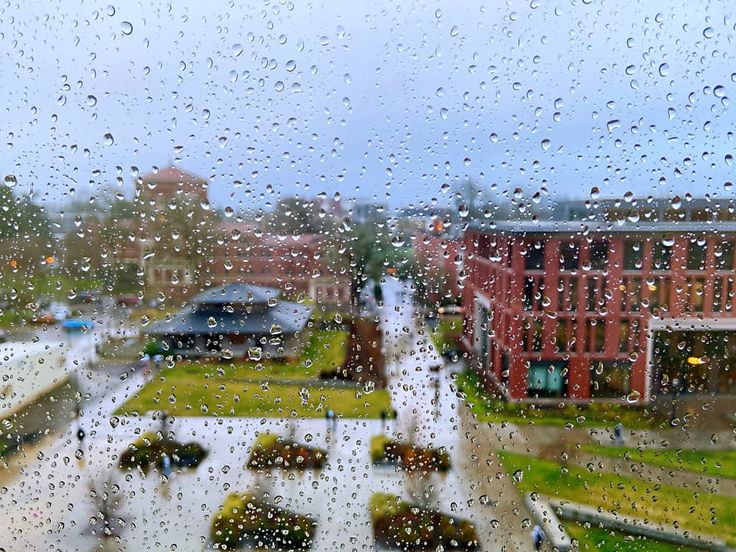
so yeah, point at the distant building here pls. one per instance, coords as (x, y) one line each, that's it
(619, 308)
(364, 211)
(438, 252)
(161, 186)
(168, 262)
(699, 209)
(294, 264)
(235, 321)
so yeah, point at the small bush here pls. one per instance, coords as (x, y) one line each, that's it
(150, 449)
(271, 450)
(246, 520)
(430, 529)
(411, 458)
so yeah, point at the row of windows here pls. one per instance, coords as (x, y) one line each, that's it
(565, 338)
(633, 255)
(637, 292)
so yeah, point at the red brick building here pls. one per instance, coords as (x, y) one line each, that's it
(162, 185)
(607, 309)
(294, 264)
(237, 252)
(439, 255)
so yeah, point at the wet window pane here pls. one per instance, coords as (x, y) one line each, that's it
(368, 276)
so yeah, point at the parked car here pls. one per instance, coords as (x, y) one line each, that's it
(129, 300)
(451, 310)
(56, 312)
(77, 325)
(87, 297)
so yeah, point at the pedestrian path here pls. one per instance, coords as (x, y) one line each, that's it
(49, 504)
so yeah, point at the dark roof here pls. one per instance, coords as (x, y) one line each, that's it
(578, 227)
(288, 316)
(232, 294)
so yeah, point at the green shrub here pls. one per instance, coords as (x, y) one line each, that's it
(271, 450)
(244, 519)
(150, 448)
(378, 448)
(430, 529)
(384, 504)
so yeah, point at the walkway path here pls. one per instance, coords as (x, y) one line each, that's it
(47, 505)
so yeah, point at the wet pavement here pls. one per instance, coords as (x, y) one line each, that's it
(47, 504)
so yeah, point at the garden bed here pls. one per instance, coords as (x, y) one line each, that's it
(400, 525)
(271, 451)
(150, 448)
(387, 452)
(245, 520)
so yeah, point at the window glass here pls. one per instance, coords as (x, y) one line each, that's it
(353, 276)
(696, 255)
(598, 253)
(569, 255)
(662, 255)
(633, 254)
(534, 257)
(724, 255)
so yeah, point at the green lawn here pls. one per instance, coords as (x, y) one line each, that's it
(250, 389)
(180, 394)
(699, 512)
(593, 415)
(719, 463)
(601, 540)
(445, 335)
(325, 350)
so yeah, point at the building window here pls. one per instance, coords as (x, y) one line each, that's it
(623, 336)
(610, 379)
(696, 292)
(545, 379)
(569, 256)
(561, 336)
(724, 255)
(717, 295)
(598, 255)
(533, 293)
(662, 255)
(632, 255)
(528, 293)
(596, 335)
(631, 296)
(696, 252)
(659, 293)
(534, 258)
(536, 335)
(592, 287)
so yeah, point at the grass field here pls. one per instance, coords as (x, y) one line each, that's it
(261, 389)
(594, 415)
(325, 350)
(180, 394)
(719, 463)
(699, 512)
(600, 540)
(444, 336)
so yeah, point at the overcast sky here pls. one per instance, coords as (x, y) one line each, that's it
(372, 99)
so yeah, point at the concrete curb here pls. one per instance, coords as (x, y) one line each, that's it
(543, 513)
(636, 526)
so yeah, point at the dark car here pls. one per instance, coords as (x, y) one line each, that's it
(129, 300)
(87, 297)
